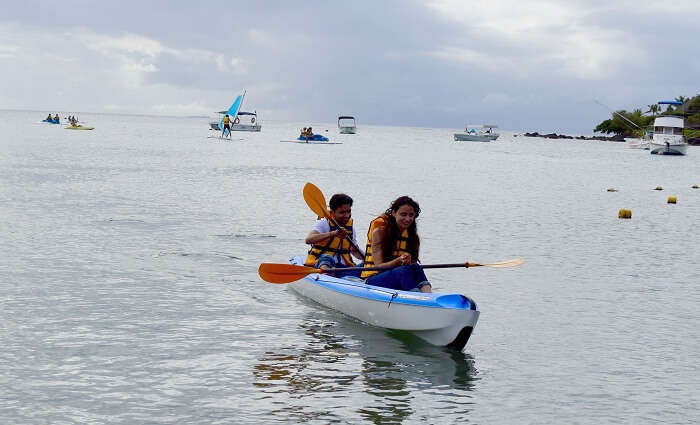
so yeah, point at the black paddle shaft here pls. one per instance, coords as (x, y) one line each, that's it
(349, 237)
(426, 266)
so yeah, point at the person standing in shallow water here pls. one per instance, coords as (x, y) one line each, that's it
(392, 241)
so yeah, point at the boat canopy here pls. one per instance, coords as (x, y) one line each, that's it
(669, 102)
(481, 126)
(668, 121)
(346, 118)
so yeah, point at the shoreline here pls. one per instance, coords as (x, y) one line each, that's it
(694, 141)
(616, 138)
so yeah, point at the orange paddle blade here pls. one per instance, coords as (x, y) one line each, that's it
(284, 273)
(315, 200)
(501, 264)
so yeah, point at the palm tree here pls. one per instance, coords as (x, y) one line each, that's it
(681, 99)
(654, 109)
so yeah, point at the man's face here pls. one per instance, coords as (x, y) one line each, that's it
(342, 214)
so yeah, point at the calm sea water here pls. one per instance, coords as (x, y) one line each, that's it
(129, 287)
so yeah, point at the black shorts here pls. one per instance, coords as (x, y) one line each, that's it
(227, 127)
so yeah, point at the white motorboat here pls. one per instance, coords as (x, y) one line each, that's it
(668, 138)
(243, 121)
(442, 319)
(346, 125)
(477, 133)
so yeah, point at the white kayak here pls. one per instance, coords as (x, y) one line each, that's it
(440, 318)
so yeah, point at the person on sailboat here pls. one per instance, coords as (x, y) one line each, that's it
(227, 127)
(330, 240)
(392, 240)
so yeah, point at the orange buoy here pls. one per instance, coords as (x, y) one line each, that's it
(671, 200)
(624, 213)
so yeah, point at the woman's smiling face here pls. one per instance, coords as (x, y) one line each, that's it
(404, 216)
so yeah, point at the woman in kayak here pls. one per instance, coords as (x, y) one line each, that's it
(393, 242)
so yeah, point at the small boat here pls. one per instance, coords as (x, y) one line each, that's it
(313, 138)
(243, 121)
(639, 143)
(443, 319)
(346, 125)
(477, 133)
(51, 121)
(311, 142)
(668, 138)
(79, 127)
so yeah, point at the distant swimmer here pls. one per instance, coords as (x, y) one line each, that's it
(227, 127)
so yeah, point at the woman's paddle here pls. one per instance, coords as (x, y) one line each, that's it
(286, 273)
(317, 202)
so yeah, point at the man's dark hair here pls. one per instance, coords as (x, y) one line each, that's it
(338, 200)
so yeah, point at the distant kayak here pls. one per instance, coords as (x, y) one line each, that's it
(315, 138)
(79, 127)
(311, 142)
(51, 121)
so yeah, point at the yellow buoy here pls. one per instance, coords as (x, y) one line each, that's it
(624, 213)
(612, 189)
(659, 188)
(671, 200)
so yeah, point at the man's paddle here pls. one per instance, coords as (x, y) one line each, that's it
(286, 273)
(317, 202)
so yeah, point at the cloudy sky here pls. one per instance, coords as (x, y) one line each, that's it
(526, 65)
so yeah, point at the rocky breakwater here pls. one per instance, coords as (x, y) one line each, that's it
(616, 138)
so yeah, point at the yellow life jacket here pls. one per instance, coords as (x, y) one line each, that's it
(399, 249)
(227, 120)
(337, 247)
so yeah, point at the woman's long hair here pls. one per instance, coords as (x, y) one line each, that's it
(392, 231)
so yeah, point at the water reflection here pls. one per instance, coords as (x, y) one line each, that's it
(384, 376)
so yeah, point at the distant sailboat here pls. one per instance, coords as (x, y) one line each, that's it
(236, 115)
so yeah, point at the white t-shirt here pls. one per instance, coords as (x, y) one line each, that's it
(322, 226)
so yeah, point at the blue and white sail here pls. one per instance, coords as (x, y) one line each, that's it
(233, 110)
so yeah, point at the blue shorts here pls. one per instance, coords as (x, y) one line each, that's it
(331, 261)
(404, 278)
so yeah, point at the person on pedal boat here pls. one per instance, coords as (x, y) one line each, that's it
(330, 247)
(392, 240)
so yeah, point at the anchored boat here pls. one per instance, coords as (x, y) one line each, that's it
(442, 319)
(668, 138)
(346, 125)
(242, 121)
(477, 133)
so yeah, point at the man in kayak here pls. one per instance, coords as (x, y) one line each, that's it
(330, 245)
(227, 127)
(392, 241)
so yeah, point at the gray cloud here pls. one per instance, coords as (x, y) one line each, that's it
(442, 64)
